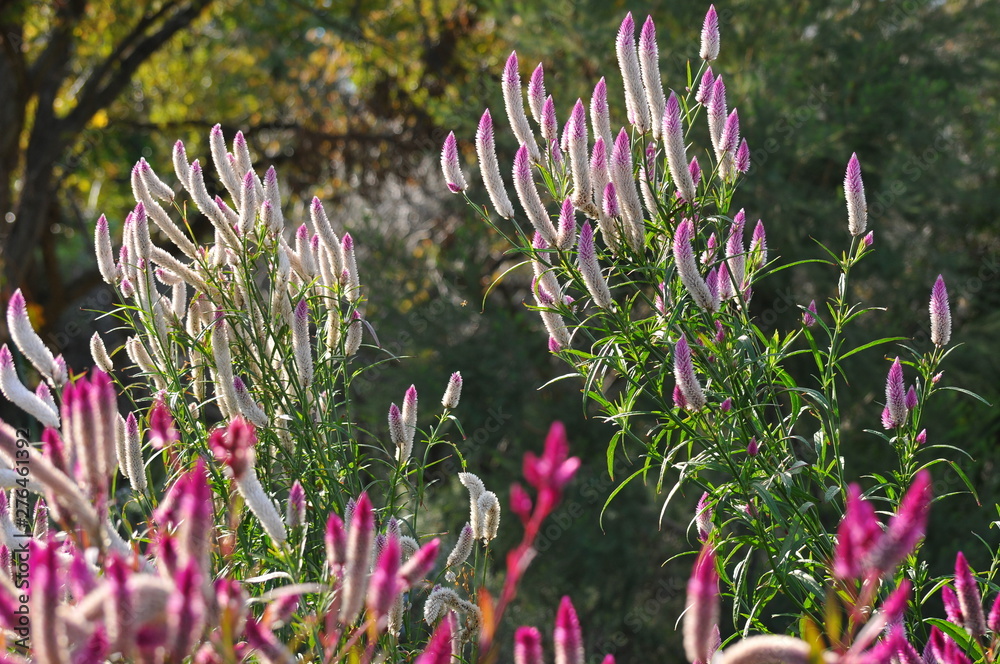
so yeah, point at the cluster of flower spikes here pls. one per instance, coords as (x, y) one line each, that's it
(963, 606)
(865, 552)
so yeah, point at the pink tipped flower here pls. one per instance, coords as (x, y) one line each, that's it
(895, 396)
(809, 315)
(758, 246)
(550, 126)
(922, 437)
(528, 646)
(969, 599)
(649, 61)
(450, 165)
(726, 406)
(993, 622)
(628, 62)
(869, 239)
(940, 314)
(566, 235)
(513, 101)
(705, 87)
(717, 112)
(296, 513)
(673, 136)
(687, 268)
(536, 92)
(743, 157)
(753, 447)
(385, 585)
(579, 154)
(567, 635)
(702, 613)
(528, 195)
(610, 202)
(361, 535)
(600, 116)
(105, 254)
(162, 431)
(438, 650)
(952, 608)
(684, 374)
(911, 398)
(854, 191)
(421, 563)
(453, 392)
(907, 527)
(25, 337)
(620, 170)
(590, 269)
(857, 534)
(553, 470)
(490, 168)
(520, 503)
(336, 543)
(703, 517)
(710, 35)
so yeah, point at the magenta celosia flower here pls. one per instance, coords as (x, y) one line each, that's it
(906, 528)
(567, 636)
(600, 116)
(520, 502)
(952, 608)
(438, 650)
(550, 127)
(711, 246)
(185, 612)
(701, 615)
(649, 63)
(620, 170)
(969, 599)
(514, 103)
(940, 314)
(628, 62)
(687, 268)
(922, 437)
(528, 646)
(869, 239)
(360, 536)
(726, 406)
(758, 246)
(451, 167)
(993, 622)
(566, 233)
(856, 536)
(421, 563)
(610, 203)
(295, 515)
(742, 161)
(735, 258)
(703, 517)
(684, 374)
(854, 190)
(895, 396)
(717, 112)
(753, 447)
(810, 314)
(911, 398)
(528, 195)
(553, 470)
(704, 92)
(710, 35)
(234, 446)
(335, 541)
(673, 136)
(384, 584)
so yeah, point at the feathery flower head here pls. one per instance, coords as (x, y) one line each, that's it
(490, 168)
(695, 170)
(566, 234)
(450, 165)
(702, 613)
(335, 541)
(296, 513)
(438, 650)
(687, 268)
(528, 646)
(514, 103)
(869, 239)
(854, 190)
(567, 636)
(590, 269)
(743, 157)
(649, 62)
(162, 431)
(384, 584)
(758, 245)
(710, 35)
(234, 446)
(940, 314)
(703, 517)
(907, 527)
(453, 392)
(911, 398)
(610, 201)
(704, 92)
(673, 135)
(895, 396)
(420, 563)
(969, 599)
(600, 116)
(555, 468)
(488, 507)
(684, 374)
(857, 534)
(952, 608)
(628, 62)
(536, 92)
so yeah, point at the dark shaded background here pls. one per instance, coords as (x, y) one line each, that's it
(351, 101)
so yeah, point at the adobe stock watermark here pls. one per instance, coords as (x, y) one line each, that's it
(19, 553)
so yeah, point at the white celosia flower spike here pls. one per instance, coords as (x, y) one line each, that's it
(579, 157)
(514, 102)
(710, 36)
(227, 174)
(854, 191)
(590, 269)
(453, 392)
(673, 136)
(26, 339)
(21, 396)
(100, 354)
(490, 168)
(301, 345)
(451, 167)
(489, 512)
(687, 268)
(600, 116)
(530, 200)
(105, 254)
(461, 552)
(476, 490)
(649, 60)
(628, 61)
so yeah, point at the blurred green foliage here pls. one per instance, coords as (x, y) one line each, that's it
(352, 100)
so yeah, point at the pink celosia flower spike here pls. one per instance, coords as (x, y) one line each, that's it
(895, 396)
(512, 98)
(451, 167)
(490, 168)
(25, 337)
(590, 269)
(717, 112)
(335, 541)
(567, 636)
(710, 36)
(673, 136)
(725, 149)
(687, 268)
(687, 382)
(421, 563)
(360, 536)
(704, 92)
(743, 157)
(702, 613)
(940, 314)
(579, 156)
(22, 397)
(530, 200)
(452, 393)
(528, 646)
(758, 246)
(703, 518)
(856, 535)
(952, 609)
(105, 254)
(809, 315)
(969, 598)
(550, 129)
(536, 93)
(566, 234)
(295, 515)
(649, 61)
(620, 170)
(628, 61)
(854, 190)
(385, 585)
(438, 650)
(907, 527)
(993, 622)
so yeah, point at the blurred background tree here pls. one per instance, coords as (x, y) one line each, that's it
(351, 101)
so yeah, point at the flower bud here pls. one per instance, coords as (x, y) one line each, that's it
(453, 392)
(295, 514)
(450, 165)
